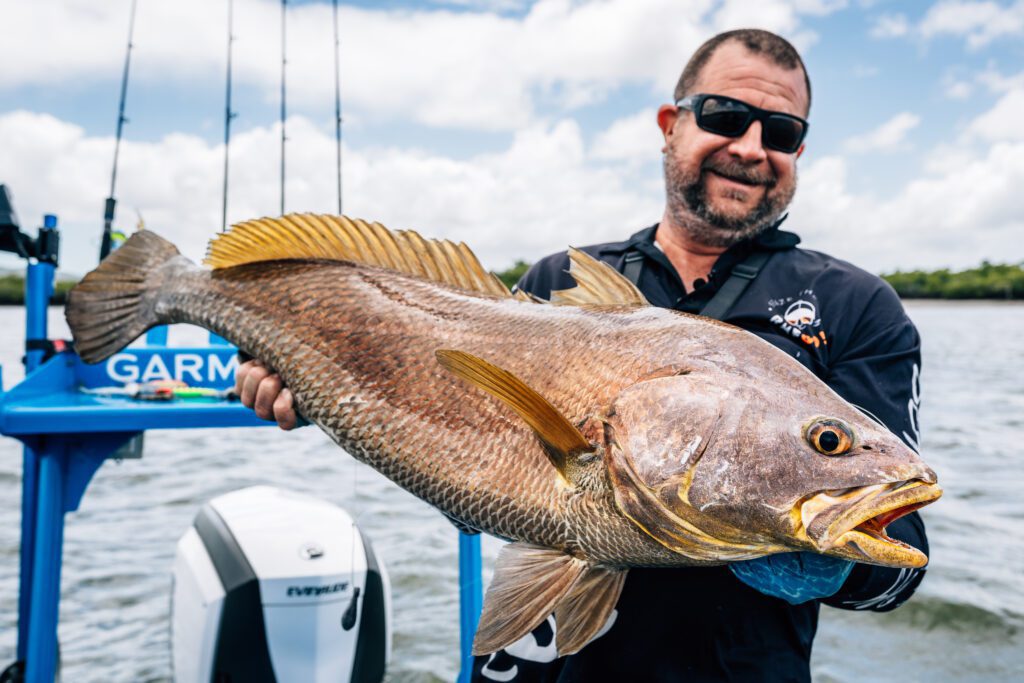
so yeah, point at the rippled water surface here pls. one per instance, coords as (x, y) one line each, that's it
(964, 624)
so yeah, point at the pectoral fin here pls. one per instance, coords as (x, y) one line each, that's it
(564, 441)
(531, 582)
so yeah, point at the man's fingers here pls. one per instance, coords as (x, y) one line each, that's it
(266, 393)
(248, 384)
(284, 410)
(241, 373)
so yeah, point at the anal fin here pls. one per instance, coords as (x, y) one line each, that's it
(584, 611)
(531, 582)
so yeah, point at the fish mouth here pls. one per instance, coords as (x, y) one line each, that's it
(857, 532)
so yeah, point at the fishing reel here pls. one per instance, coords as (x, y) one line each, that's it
(44, 248)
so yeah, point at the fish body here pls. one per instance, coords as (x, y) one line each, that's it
(596, 437)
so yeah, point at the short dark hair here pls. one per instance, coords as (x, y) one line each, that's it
(775, 48)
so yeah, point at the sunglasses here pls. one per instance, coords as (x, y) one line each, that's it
(728, 117)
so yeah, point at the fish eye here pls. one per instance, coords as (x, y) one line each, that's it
(830, 437)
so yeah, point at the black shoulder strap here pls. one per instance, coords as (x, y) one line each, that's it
(732, 289)
(634, 265)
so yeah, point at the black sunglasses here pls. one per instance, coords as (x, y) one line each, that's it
(729, 117)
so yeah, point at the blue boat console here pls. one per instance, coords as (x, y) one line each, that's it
(68, 431)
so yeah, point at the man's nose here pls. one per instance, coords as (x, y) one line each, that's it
(748, 147)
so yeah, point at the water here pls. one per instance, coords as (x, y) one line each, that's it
(965, 623)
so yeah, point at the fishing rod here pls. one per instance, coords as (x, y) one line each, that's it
(349, 617)
(108, 212)
(337, 99)
(228, 115)
(284, 62)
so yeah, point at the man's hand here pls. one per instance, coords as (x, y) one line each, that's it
(794, 577)
(264, 392)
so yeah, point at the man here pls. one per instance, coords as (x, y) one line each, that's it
(731, 145)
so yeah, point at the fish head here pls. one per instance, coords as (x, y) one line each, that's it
(719, 468)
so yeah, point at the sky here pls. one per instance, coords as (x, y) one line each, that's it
(516, 127)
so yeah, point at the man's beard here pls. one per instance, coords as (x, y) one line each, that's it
(690, 209)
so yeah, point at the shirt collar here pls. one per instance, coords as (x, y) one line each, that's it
(772, 239)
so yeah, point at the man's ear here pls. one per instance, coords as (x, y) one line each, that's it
(667, 117)
(800, 151)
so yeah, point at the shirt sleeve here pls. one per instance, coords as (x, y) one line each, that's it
(878, 370)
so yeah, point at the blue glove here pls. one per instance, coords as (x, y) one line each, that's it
(794, 577)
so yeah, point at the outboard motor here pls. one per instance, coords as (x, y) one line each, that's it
(270, 586)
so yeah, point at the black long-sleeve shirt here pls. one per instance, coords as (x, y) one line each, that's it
(701, 623)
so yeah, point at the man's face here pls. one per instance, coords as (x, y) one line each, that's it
(724, 190)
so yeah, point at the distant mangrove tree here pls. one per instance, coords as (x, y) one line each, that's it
(988, 281)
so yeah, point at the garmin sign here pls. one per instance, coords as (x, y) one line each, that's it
(212, 367)
(191, 368)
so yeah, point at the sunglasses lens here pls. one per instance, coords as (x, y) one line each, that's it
(783, 133)
(724, 117)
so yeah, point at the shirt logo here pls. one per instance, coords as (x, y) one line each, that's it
(797, 316)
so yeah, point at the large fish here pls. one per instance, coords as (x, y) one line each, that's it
(597, 435)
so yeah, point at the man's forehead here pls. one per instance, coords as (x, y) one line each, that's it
(735, 71)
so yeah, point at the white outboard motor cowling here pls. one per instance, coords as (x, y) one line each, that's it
(271, 586)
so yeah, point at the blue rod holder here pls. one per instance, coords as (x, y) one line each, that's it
(41, 659)
(38, 290)
(471, 599)
(29, 486)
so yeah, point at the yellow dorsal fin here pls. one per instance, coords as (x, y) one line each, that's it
(338, 238)
(597, 283)
(523, 295)
(564, 442)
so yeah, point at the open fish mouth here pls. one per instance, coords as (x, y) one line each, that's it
(858, 532)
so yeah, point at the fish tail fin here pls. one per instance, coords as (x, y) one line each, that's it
(113, 304)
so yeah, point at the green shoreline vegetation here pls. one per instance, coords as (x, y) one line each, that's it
(987, 281)
(12, 290)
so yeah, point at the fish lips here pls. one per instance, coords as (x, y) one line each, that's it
(851, 523)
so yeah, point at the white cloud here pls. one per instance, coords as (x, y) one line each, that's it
(634, 138)
(959, 85)
(534, 197)
(486, 5)
(890, 26)
(542, 192)
(1001, 122)
(964, 207)
(978, 22)
(887, 137)
(997, 82)
(463, 69)
(958, 90)
(969, 211)
(544, 188)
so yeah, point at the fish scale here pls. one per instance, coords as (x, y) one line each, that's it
(325, 352)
